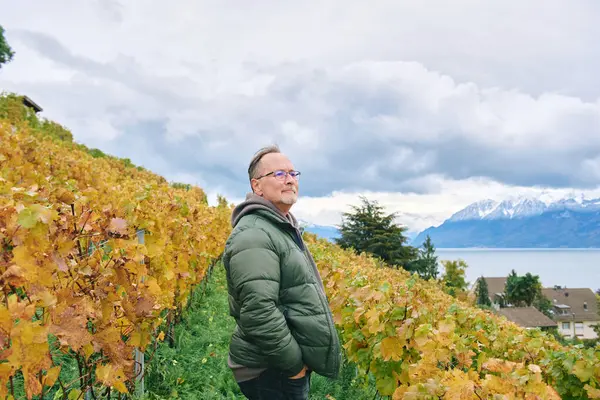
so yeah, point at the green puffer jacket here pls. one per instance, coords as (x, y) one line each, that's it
(276, 295)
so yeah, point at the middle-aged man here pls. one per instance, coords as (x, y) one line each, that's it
(284, 327)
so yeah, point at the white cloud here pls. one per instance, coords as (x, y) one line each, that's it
(420, 211)
(295, 134)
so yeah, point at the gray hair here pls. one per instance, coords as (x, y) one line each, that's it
(254, 163)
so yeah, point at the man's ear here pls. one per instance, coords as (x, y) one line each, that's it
(255, 187)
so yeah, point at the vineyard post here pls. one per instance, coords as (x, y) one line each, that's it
(139, 355)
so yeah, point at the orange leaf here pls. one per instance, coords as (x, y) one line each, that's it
(118, 226)
(14, 275)
(498, 365)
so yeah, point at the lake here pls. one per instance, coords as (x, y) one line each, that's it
(574, 268)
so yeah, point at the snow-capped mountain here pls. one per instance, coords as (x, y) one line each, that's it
(478, 210)
(576, 204)
(521, 221)
(522, 207)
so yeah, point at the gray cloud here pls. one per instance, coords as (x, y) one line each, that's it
(352, 150)
(123, 70)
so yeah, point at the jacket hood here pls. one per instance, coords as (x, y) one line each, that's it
(253, 203)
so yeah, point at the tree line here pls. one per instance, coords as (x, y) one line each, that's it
(368, 228)
(519, 291)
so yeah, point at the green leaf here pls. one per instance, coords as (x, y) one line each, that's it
(27, 218)
(398, 313)
(536, 343)
(364, 355)
(454, 308)
(74, 394)
(385, 287)
(386, 385)
(568, 363)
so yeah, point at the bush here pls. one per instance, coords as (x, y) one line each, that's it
(14, 110)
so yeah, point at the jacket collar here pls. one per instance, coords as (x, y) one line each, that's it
(255, 203)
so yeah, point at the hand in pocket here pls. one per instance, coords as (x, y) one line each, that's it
(300, 374)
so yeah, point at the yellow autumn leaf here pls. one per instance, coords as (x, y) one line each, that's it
(88, 350)
(460, 389)
(391, 348)
(446, 326)
(583, 370)
(103, 373)
(51, 376)
(47, 299)
(120, 386)
(6, 320)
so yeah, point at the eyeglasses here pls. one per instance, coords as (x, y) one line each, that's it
(281, 175)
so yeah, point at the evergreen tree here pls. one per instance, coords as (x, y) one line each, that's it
(482, 291)
(368, 229)
(430, 260)
(426, 266)
(6, 53)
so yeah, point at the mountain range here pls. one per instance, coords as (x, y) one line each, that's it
(517, 222)
(323, 231)
(520, 222)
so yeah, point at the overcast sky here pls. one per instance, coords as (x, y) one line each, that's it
(423, 105)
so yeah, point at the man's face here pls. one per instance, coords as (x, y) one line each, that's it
(281, 192)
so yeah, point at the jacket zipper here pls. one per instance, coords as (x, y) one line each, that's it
(324, 304)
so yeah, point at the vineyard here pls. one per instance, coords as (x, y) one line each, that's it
(100, 257)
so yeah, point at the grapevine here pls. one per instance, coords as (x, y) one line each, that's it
(420, 343)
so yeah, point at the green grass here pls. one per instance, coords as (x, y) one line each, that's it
(196, 367)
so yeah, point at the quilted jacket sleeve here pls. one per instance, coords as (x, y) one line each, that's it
(255, 275)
